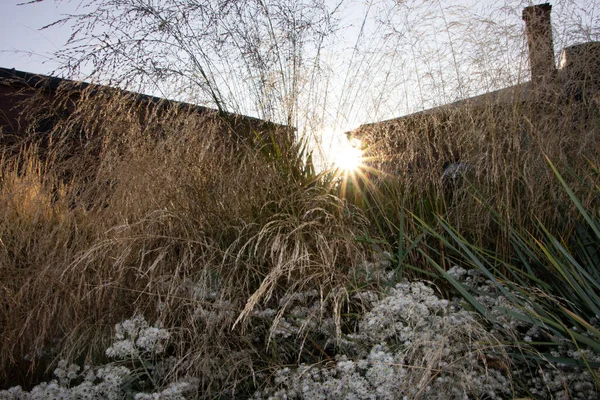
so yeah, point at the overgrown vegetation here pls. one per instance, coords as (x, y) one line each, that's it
(164, 251)
(172, 219)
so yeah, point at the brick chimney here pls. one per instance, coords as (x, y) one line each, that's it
(539, 40)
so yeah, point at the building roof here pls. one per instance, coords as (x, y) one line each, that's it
(542, 64)
(518, 93)
(22, 79)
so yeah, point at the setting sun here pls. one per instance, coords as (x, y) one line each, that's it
(348, 156)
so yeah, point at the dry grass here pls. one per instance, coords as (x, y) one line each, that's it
(189, 219)
(505, 144)
(179, 219)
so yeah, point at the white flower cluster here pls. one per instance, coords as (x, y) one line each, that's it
(411, 344)
(371, 378)
(490, 297)
(101, 383)
(404, 313)
(176, 391)
(298, 312)
(135, 336)
(559, 382)
(546, 379)
(408, 344)
(563, 381)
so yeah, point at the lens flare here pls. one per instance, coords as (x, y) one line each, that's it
(348, 157)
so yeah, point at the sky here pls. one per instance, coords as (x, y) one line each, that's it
(23, 46)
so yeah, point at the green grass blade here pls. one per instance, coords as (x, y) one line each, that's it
(461, 289)
(575, 200)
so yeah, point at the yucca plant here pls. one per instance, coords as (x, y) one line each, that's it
(550, 284)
